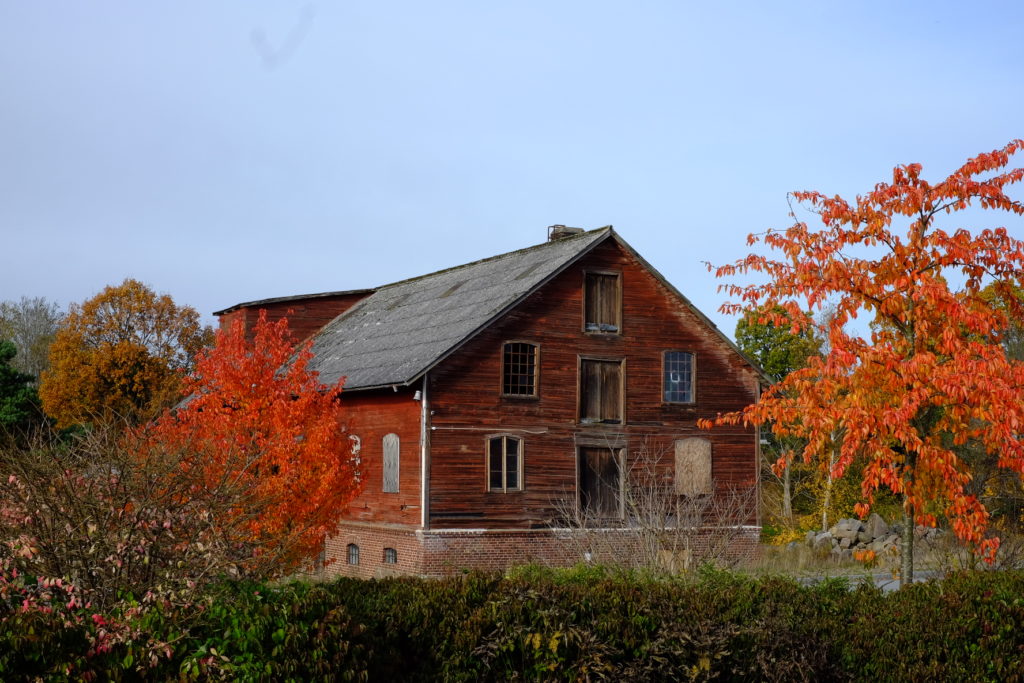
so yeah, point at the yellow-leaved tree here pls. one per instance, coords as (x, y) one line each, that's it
(120, 354)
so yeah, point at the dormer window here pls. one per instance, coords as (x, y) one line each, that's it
(602, 303)
(519, 369)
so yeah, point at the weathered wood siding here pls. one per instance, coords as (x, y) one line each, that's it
(467, 406)
(305, 316)
(371, 417)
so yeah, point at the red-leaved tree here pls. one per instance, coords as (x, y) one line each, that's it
(931, 376)
(259, 430)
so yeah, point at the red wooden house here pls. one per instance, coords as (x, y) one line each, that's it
(483, 397)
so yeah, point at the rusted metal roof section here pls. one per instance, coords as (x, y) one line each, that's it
(402, 330)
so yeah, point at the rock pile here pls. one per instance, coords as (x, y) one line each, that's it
(848, 536)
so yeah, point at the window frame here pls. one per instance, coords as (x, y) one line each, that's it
(693, 378)
(520, 460)
(587, 273)
(352, 553)
(580, 360)
(390, 558)
(536, 370)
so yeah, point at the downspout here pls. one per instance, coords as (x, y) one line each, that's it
(424, 457)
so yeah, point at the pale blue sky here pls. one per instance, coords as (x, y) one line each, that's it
(229, 151)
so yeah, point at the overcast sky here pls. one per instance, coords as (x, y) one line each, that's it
(236, 150)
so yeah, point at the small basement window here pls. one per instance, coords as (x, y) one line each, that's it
(390, 556)
(519, 369)
(677, 378)
(602, 303)
(353, 553)
(504, 463)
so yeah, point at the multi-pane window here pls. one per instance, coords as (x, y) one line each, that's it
(390, 464)
(353, 553)
(600, 391)
(600, 482)
(602, 303)
(677, 383)
(390, 556)
(504, 463)
(519, 369)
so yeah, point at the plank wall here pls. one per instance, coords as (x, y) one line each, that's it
(370, 416)
(466, 405)
(305, 316)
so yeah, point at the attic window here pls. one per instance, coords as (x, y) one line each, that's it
(519, 369)
(602, 303)
(451, 290)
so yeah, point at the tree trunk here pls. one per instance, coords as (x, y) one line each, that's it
(907, 548)
(787, 492)
(833, 459)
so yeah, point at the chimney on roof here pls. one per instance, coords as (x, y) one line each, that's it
(560, 232)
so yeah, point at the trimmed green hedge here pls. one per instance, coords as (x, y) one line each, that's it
(582, 624)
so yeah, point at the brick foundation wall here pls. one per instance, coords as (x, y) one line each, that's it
(443, 552)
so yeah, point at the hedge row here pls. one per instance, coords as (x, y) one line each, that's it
(544, 625)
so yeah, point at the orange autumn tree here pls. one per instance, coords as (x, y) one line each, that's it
(120, 356)
(259, 429)
(931, 375)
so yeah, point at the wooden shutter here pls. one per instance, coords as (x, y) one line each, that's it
(601, 303)
(601, 391)
(391, 460)
(600, 482)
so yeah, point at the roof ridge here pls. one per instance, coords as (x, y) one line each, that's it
(524, 250)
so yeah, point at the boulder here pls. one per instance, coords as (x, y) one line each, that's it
(823, 540)
(864, 537)
(811, 535)
(846, 528)
(876, 526)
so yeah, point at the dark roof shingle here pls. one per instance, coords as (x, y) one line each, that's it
(403, 329)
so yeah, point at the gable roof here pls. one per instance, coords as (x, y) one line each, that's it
(403, 329)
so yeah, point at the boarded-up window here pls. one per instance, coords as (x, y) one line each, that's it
(504, 463)
(519, 369)
(391, 459)
(693, 466)
(600, 391)
(602, 303)
(677, 382)
(600, 477)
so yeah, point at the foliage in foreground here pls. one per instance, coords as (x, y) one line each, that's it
(536, 624)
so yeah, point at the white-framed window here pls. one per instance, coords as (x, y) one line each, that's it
(504, 463)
